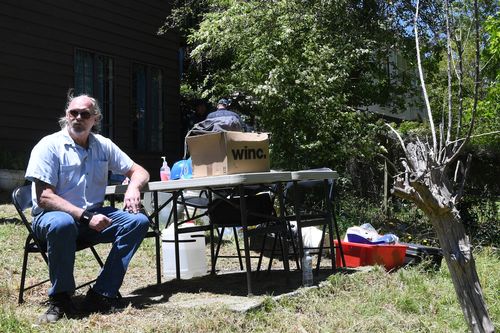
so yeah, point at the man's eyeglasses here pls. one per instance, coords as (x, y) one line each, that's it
(83, 114)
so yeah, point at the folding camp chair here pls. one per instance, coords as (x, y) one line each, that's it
(310, 203)
(225, 212)
(21, 198)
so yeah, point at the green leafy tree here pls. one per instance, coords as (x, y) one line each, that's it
(302, 68)
(489, 106)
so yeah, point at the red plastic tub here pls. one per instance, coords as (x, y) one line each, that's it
(356, 254)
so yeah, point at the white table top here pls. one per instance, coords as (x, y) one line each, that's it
(230, 180)
(211, 181)
(315, 174)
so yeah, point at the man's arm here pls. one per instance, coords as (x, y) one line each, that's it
(50, 201)
(138, 178)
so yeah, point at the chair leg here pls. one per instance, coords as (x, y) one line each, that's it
(331, 210)
(219, 242)
(235, 233)
(97, 257)
(272, 253)
(294, 246)
(23, 276)
(332, 245)
(283, 253)
(212, 251)
(262, 248)
(339, 243)
(321, 248)
(261, 255)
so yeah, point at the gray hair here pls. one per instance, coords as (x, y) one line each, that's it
(96, 110)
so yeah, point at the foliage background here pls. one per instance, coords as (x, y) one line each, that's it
(306, 71)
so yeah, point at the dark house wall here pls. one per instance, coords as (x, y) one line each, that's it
(38, 39)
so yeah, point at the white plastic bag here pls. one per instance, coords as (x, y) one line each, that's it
(366, 234)
(311, 236)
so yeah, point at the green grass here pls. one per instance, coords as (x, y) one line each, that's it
(409, 300)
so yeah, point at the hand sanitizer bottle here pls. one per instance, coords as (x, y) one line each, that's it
(164, 170)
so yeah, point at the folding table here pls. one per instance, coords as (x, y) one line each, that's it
(236, 182)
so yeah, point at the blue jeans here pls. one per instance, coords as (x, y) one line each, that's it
(59, 231)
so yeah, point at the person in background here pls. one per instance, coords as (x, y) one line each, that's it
(222, 111)
(69, 171)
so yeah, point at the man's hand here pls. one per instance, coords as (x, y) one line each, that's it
(99, 222)
(132, 200)
(138, 178)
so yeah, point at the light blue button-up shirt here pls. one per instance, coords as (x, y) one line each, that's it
(79, 175)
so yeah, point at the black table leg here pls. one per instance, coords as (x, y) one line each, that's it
(243, 210)
(176, 237)
(297, 207)
(336, 226)
(284, 231)
(156, 230)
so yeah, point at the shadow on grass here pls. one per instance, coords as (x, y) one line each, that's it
(10, 220)
(232, 284)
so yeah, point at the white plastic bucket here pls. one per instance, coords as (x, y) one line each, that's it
(192, 259)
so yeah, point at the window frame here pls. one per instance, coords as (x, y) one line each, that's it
(109, 83)
(150, 146)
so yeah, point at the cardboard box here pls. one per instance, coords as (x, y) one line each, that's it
(225, 153)
(357, 254)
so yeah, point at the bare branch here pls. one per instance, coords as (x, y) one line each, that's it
(389, 161)
(460, 87)
(475, 136)
(448, 53)
(399, 138)
(454, 65)
(442, 146)
(422, 82)
(455, 177)
(486, 63)
(476, 86)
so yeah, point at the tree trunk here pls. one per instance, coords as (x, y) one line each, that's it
(458, 255)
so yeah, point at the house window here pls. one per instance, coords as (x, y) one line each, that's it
(148, 107)
(94, 76)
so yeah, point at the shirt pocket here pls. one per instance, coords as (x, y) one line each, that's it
(69, 176)
(100, 173)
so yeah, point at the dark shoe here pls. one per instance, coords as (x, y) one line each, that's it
(60, 305)
(95, 302)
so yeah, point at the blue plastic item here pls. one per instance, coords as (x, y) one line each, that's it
(352, 238)
(382, 239)
(182, 169)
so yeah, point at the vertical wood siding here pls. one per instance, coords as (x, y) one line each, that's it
(38, 39)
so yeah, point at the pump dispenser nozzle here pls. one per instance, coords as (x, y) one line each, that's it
(164, 170)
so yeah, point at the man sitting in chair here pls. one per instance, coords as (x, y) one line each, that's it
(69, 171)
